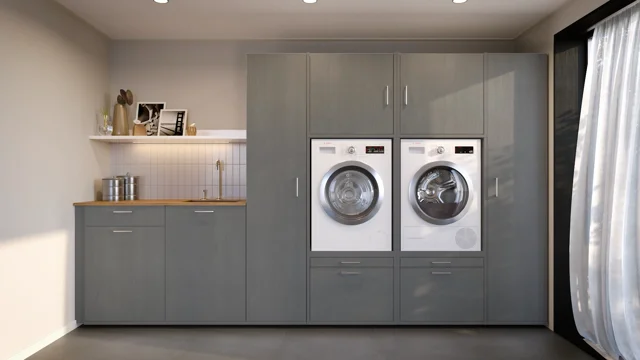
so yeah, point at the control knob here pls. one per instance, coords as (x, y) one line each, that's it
(440, 150)
(351, 150)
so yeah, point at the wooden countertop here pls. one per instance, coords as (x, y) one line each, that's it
(161, 203)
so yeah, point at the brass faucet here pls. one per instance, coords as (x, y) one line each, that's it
(219, 168)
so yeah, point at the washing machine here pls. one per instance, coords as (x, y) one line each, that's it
(351, 195)
(441, 195)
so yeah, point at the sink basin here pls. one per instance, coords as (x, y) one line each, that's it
(213, 200)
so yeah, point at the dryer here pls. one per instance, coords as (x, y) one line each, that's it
(441, 195)
(351, 195)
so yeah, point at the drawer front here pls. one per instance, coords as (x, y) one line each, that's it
(441, 295)
(124, 216)
(442, 262)
(351, 295)
(352, 262)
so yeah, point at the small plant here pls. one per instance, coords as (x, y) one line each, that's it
(125, 97)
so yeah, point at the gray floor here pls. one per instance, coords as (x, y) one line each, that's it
(236, 343)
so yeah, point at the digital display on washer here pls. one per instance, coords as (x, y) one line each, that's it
(375, 149)
(464, 149)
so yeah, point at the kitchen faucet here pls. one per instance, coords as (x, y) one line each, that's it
(219, 168)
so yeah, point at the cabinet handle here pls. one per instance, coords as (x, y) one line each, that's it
(122, 231)
(441, 273)
(350, 262)
(123, 212)
(406, 95)
(441, 262)
(497, 187)
(203, 211)
(297, 187)
(349, 273)
(386, 102)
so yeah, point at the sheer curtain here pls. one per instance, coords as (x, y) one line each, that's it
(605, 222)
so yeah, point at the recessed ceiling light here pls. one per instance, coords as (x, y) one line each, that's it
(459, 1)
(309, 1)
(161, 1)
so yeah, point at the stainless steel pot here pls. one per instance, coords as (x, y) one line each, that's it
(130, 186)
(112, 189)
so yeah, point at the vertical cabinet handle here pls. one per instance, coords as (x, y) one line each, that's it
(406, 95)
(297, 187)
(123, 212)
(497, 187)
(386, 101)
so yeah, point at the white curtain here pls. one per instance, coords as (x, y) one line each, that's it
(605, 221)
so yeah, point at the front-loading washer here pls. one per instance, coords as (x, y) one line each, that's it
(351, 195)
(441, 195)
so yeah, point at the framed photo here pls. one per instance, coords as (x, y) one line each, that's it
(173, 122)
(148, 113)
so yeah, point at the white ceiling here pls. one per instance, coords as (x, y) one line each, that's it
(327, 19)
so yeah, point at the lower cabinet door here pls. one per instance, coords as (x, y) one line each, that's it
(206, 264)
(124, 274)
(442, 295)
(351, 295)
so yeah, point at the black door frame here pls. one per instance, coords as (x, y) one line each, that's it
(570, 68)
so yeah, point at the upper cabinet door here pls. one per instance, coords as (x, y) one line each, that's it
(351, 94)
(442, 94)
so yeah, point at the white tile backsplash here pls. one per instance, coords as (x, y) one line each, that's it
(182, 171)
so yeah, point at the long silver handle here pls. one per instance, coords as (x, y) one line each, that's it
(497, 187)
(406, 95)
(350, 262)
(441, 273)
(349, 273)
(297, 187)
(203, 211)
(122, 231)
(123, 212)
(386, 102)
(441, 262)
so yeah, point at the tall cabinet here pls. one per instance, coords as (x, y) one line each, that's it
(516, 96)
(277, 188)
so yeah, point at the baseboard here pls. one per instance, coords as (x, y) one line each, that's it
(48, 340)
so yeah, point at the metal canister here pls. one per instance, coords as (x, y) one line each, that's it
(130, 186)
(112, 189)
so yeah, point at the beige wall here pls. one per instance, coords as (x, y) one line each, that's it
(539, 39)
(53, 79)
(209, 77)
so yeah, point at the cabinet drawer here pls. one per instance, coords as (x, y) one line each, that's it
(352, 262)
(124, 216)
(442, 262)
(124, 274)
(441, 295)
(351, 295)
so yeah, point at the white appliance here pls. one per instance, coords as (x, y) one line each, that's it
(351, 195)
(441, 195)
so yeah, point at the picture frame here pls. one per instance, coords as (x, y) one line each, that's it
(173, 122)
(148, 113)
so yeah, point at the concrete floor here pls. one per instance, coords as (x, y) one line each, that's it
(309, 343)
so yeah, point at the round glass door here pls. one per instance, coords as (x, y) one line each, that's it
(351, 193)
(440, 193)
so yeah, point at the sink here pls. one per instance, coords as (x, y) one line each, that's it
(212, 200)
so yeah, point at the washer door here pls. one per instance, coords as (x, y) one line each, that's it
(440, 193)
(351, 193)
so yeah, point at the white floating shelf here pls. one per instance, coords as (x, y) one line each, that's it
(204, 137)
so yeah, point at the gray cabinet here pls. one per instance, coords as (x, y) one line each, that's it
(277, 188)
(516, 177)
(124, 274)
(351, 94)
(205, 266)
(442, 94)
(442, 295)
(351, 295)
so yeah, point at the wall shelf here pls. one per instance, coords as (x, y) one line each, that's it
(204, 137)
